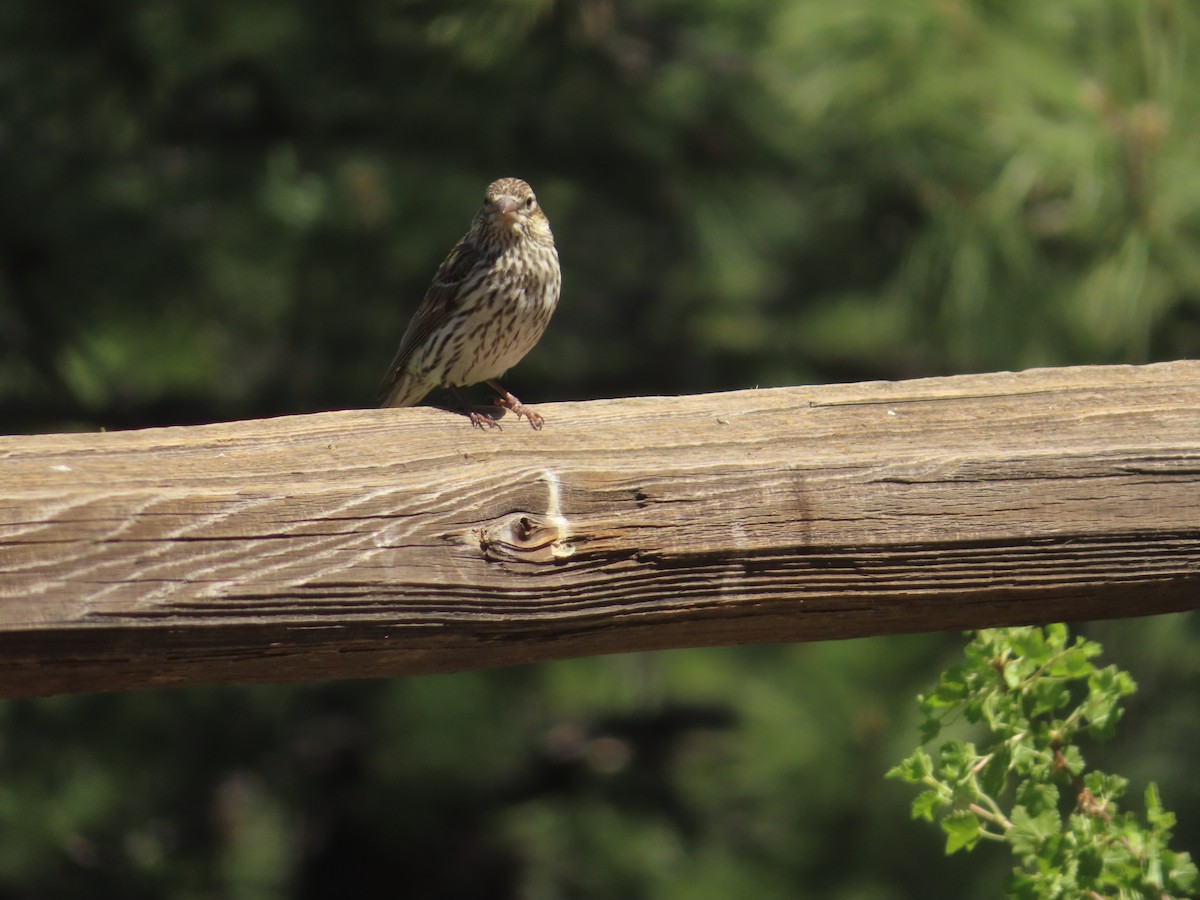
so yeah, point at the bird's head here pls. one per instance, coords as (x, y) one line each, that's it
(511, 212)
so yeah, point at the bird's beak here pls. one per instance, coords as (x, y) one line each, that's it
(506, 210)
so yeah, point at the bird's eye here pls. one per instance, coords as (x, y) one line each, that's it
(529, 201)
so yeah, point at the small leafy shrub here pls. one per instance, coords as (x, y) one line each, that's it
(1028, 785)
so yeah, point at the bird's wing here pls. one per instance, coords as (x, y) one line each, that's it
(441, 300)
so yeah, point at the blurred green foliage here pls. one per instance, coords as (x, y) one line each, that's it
(689, 774)
(230, 209)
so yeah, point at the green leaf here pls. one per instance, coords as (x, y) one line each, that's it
(1089, 865)
(1075, 663)
(1105, 785)
(1072, 759)
(914, 769)
(1012, 674)
(930, 729)
(957, 764)
(927, 804)
(1152, 872)
(993, 779)
(1181, 873)
(952, 688)
(1047, 696)
(1036, 796)
(1029, 760)
(1030, 645)
(1158, 817)
(1106, 688)
(1029, 832)
(1024, 886)
(962, 831)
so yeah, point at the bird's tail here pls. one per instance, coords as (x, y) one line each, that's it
(401, 390)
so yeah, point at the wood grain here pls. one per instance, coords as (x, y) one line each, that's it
(377, 542)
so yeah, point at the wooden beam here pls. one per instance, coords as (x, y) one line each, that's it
(378, 542)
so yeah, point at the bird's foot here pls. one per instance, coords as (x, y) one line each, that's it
(516, 407)
(482, 421)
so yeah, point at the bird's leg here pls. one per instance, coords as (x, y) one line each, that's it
(513, 405)
(478, 419)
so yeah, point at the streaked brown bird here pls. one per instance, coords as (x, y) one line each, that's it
(489, 303)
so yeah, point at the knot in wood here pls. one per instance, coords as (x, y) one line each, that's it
(527, 537)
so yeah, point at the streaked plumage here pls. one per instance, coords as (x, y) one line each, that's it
(488, 305)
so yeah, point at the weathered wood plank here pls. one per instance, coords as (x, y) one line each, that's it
(376, 542)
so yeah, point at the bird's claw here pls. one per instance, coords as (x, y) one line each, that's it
(483, 422)
(518, 409)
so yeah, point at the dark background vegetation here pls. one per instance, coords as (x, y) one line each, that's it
(229, 209)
